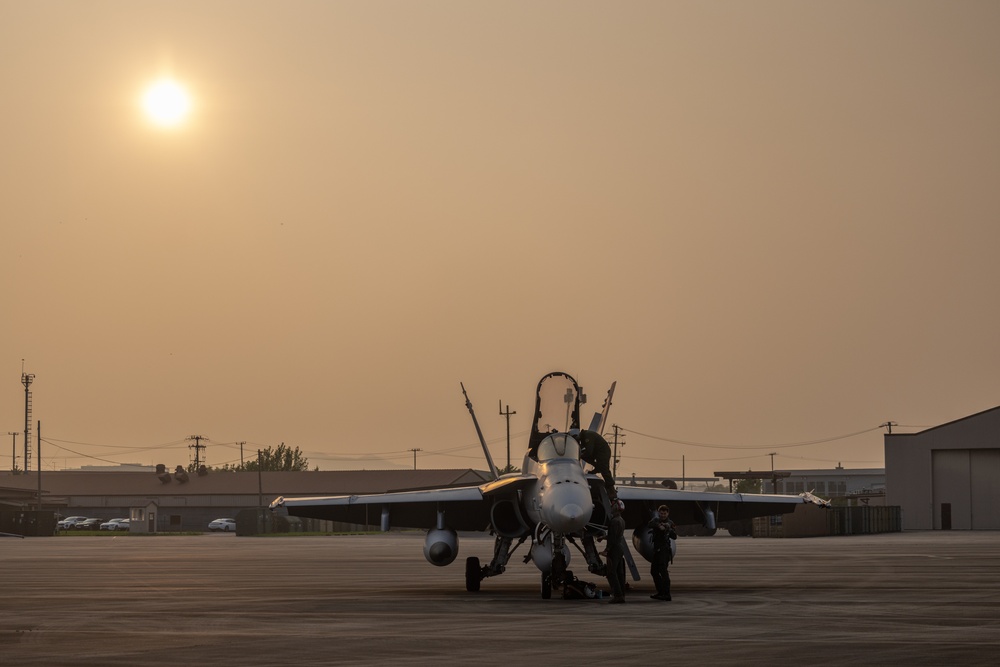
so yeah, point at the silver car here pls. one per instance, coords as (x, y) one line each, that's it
(224, 525)
(113, 524)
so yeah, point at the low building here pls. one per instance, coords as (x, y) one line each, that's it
(188, 502)
(836, 482)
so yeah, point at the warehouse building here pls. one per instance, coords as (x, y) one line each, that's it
(837, 482)
(181, 501)
(947, 477)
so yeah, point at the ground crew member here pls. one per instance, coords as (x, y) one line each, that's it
(616, 553)
(662, 529)
(596, 451)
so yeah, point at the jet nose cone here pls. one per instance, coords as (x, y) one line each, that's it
(570, 517)
(571, 512)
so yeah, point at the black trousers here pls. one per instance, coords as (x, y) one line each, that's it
(616, 573)
(660, 572)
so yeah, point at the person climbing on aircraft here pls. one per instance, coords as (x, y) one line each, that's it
(616, 553)
(596, 451)
(662, 529)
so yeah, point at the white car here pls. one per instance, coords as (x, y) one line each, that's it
(224, 525)
(70, 522)
(113, 524)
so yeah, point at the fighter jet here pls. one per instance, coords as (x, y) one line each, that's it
(554, 502)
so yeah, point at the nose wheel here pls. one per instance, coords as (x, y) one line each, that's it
(556, 577)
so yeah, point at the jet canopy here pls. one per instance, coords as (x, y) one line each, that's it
(557, 408)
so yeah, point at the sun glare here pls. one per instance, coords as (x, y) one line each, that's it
(166, 103)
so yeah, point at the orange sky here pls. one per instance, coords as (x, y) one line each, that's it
(770, 222)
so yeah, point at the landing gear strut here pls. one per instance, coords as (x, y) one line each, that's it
(556, 576)
(502, 551)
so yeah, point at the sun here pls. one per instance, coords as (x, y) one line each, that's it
(166, 103)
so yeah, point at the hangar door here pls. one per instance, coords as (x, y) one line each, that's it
(966, 487)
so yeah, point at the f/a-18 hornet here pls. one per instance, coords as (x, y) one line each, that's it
(553, 501)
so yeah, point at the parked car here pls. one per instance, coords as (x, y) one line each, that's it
(124, 524)
(88, 524)
(69, 522)
(112, 524)
(224, 525)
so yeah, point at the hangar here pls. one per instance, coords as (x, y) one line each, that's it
(947, 477)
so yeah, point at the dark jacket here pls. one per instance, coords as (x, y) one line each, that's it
(663, 532)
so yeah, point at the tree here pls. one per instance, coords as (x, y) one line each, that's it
(282, 458)
(748, 486)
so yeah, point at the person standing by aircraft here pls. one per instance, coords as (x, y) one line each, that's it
(662, 529)
(596, 451)
(616, 553)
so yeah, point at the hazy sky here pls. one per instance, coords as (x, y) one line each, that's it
(770, 222)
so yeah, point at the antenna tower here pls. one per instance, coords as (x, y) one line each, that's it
(26, 380)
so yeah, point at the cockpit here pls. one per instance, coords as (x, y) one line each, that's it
(557, 410)
(559, 446)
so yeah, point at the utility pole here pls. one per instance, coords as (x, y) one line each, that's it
(13, 452)
(26, 380)
(415, 450)
(197, 447)
(243, 442)
(615, 459)
(39, 450)
(774, 480)
(507, 414)
(260, 479)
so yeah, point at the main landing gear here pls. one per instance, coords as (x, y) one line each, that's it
(473, 574)
(502, 551)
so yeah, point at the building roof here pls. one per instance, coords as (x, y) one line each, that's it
(941, 426)
(836, 472)
(272, 484)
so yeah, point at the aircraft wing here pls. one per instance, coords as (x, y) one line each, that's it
(689, 507)
(465, 508)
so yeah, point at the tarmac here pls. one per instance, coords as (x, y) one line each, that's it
(924, 598)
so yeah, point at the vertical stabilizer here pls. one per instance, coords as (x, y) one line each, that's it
(601, 418)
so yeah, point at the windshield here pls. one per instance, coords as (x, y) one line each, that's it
(559, 446)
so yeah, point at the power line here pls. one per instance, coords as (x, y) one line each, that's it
(132, 447)
(80, 454)
(747, 447)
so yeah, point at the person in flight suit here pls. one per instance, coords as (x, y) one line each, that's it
(596, 451)
(662, 529)
(616, 553)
